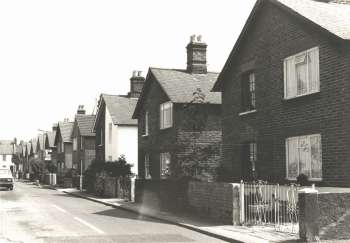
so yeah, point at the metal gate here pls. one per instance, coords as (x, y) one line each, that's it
(270, 204)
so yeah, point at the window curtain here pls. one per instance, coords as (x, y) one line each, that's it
(291, 87)
(316, 164)
(313, 70)
(293, 157)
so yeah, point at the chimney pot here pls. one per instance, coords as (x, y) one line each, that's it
(193, 38)
(134, 73)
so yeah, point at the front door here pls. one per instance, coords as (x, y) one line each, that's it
(248, 160)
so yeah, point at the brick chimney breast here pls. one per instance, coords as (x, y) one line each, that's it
(196, 55)
(136, 84)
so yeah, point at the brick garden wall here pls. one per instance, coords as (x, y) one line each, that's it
(275, 35)
(216, 200)
(325, 216)
(219, 201)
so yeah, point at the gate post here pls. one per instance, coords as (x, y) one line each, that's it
(241, 200)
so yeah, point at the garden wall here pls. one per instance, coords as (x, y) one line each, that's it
(219, 201)
(324, 216)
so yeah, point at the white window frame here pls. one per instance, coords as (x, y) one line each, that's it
(163, 108)
(298, 164)
(145, 132)
(162, 159)
(62, 147)
(110, 133)
(81, 143)
(75, 144)
(293, 58)
(147, 167)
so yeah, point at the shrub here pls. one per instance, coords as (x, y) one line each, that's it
(303, 180)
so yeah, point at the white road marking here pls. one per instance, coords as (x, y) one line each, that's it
(58, 208)
(89, 225)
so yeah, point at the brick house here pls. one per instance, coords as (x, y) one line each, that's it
(50, 144)
(285, 91)
(63, 142)
(83, 140)
(172, 105)
(116, 131)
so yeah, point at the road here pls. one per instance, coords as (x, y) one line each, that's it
(33, 214)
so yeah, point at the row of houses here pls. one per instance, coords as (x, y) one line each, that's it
(279, 107)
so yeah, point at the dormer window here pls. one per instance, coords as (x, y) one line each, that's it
(166, 115)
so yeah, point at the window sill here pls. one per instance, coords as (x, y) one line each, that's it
(310, 180)
(299, 96)
(165, 128)
(144, 135)
(247, 112)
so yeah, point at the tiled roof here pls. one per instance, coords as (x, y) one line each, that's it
(66, 131)
(85, 124)
(6, 148)
(179, 85)
(332, 17)
(6, 141)
(121, 108)
(51, 138)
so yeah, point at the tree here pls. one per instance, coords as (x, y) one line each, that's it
(194, 163)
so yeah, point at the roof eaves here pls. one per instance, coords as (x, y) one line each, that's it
(257, 6)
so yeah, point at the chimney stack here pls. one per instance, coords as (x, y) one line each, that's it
(136, 84)
(81, 110)
(196, 55)
(54, 127)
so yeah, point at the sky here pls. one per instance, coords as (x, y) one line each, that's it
(56, 55)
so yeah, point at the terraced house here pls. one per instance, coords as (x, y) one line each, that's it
(285, 90)
(63, 142)
(180, 120)
(83, 140)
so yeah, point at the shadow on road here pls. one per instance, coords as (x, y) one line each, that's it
(118, 213)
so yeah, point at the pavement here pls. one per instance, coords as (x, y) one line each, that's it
(229, 233)
(37, 214)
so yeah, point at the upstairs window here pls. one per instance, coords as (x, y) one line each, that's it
(4, 157)
(145, 125)
(301, 74)
(166, 115)
(81, 143)
(248, 92)
(62, 146)
(110, 134)
(75, 144)
(304, 156)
